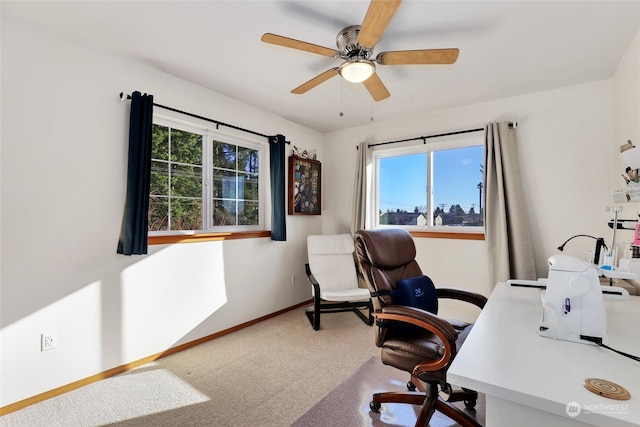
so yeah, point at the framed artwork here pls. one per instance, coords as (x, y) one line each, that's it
(305, 180)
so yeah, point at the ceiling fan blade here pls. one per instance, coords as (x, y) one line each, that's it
(376, 20)
(424, 56)
(300, 45)
(376, 88)
(321, 78)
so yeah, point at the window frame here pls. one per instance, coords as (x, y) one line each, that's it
(429, 147)
(210, 232)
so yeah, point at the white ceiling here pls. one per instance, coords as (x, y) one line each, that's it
(507, 48)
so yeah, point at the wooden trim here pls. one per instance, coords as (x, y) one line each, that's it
(447, 235)
(132, 365)
(206, 237)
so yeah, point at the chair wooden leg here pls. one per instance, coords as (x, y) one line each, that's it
(455, 413)
(335, 307)
(426, 412)
(314, 316)
(412, 398)
(368, 318)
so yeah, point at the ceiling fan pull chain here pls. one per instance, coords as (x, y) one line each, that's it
(370, 91)
(341, 113)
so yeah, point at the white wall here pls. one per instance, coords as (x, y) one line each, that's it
(64, 148)
(626, 113)
(564, 139)
(626, 126)
(626, 97)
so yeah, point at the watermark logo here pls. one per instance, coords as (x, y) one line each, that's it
(573, 409)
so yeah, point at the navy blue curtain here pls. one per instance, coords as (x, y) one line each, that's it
(135, 222)
(278, 207)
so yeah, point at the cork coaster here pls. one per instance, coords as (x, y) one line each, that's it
(606, 389)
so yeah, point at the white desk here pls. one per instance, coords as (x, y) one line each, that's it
(528, 380)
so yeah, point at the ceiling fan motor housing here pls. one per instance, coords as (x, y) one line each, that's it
(347, 42)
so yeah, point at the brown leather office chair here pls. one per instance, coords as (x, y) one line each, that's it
(413, 339)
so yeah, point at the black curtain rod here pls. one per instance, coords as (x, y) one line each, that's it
(218, 123)
(423, 138)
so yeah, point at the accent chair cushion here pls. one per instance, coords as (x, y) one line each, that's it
(333, 265)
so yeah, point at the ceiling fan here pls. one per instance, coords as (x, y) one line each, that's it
(355, 46)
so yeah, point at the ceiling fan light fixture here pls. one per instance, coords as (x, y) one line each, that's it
(357, 70)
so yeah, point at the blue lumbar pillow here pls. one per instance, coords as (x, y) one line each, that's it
(418, 292)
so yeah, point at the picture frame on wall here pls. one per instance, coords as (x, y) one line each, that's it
(305, 186)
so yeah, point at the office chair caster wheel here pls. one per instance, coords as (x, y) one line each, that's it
(470, 403)
(375, 406)
(411, 386)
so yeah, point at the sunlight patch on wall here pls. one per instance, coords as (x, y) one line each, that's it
(168, 294)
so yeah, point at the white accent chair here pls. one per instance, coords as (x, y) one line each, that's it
(332, 273)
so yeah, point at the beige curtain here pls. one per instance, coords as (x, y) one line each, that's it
(359, 211)
(507, 231)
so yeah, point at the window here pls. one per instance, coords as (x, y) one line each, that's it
(433, 185)
(203, 180)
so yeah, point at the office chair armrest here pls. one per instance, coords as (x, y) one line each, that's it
(312, 279)
(463, 295)
(423, 319)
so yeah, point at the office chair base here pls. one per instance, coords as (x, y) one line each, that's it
(447, 408)
(429, 405)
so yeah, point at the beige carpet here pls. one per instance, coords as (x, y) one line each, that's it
(348, 403)
(268, 375)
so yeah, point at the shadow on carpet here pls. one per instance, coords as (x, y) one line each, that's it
(348, 403)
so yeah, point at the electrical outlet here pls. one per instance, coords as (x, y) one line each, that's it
(48, 341)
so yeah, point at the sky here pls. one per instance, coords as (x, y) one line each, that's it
(456, 175)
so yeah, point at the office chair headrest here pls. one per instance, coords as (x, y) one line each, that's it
(388, 248)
